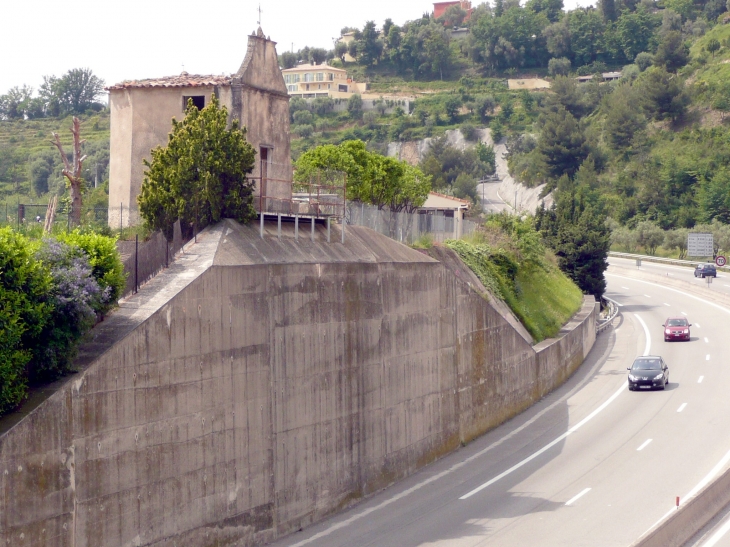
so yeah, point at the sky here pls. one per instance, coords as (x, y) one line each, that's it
(136, 39)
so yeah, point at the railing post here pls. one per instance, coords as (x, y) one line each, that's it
(312, 228)
(136, 262)
(296, 227)
(329, 225)
(278, 234)
(261, 224)
(343, 230)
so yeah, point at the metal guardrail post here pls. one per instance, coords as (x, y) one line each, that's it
(296, 227)
(329, 224)
(261, 225)
(136, 263)
(312, 228)
(278, 229)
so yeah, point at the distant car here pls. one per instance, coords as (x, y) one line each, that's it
(648, 372)
(676, 328)
(705, 270)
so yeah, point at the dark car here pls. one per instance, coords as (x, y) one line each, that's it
(705, 270)
(648, 372)
(676, 328)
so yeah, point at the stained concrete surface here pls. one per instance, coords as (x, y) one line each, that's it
(259, 385)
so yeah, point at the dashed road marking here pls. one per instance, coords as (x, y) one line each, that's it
(681, 407)
(578, 496)
(699, 380)
(644, 445)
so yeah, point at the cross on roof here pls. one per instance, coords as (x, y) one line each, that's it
(259, 10)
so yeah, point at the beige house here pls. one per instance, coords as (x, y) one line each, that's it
(141, 119)
(346, 39)
(450, 207)
(311, 81)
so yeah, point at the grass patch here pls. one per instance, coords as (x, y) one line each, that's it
(540, 295)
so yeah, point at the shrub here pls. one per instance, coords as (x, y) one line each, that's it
(469, 131)
(24, 286)
(559, 66)
(107, 268)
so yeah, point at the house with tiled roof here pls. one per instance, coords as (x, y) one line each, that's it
(141, 119)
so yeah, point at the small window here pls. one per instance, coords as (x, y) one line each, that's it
(330, 76)
(292, 87)
(342, 88)
(320, 76)
(287, 78)
(198, 101)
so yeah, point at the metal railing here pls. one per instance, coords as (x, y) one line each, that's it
(408, 227)
(612, 313)
(662, 260)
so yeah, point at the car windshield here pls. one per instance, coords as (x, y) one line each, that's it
(647, 364)
(677, 323)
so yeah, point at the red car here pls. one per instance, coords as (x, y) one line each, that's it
(676, 328)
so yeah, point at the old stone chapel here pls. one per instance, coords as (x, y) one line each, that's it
(142, 112)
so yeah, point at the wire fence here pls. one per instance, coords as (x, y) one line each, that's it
(409, 227)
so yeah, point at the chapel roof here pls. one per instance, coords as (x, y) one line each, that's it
(182, 80)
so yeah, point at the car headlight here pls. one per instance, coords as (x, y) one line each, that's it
(659, 376)
(686, 331)
(667, 331)
(633, 378)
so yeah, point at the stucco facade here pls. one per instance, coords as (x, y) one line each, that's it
(142, 112)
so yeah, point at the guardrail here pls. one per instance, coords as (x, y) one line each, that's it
(662, 260)
(612, 313)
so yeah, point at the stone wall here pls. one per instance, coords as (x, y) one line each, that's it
(258, 386)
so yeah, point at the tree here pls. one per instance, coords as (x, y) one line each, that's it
(608, 9)
(635, 31)
(453, 16)
(288, 59)
(623, 117)
(553, 9)
(672, 52)
(561, 144)
(649, 235)
(317, 55)
(714, 197)
(578, 235)
(559, 66)
(624, 238)
(712, 46)
(663, 93)
(354, 106)
(644, 60)
(341, 51)
(72, 170)
(200, 176)
(677, 239)
(78, 90)
(369, 47)
(16, 103)
(371, 178)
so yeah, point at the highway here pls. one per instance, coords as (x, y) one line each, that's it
(591, 464)
(489, 197)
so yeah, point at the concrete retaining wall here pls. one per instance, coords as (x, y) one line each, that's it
(260, 385)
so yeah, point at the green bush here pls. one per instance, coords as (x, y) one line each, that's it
(107, 267)
(24, 312)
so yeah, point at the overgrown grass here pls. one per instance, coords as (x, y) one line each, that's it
(540, 295)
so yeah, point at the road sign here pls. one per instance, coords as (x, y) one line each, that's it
(699, 244)
(720, 260)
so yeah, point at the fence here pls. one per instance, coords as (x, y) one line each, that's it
(142, 261)
(408, 227)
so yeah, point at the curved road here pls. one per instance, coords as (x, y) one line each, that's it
(591, 464)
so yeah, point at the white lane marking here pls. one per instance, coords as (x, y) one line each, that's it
(699, 380)
(723, 461)
(666, 304)
(612, 300)
(573, 429)
(647, 295)
(681, 407)
(625, 288)
(577, 496)
(697, 325)
(725, 285)
(706, 340)
(647, 347)
(684, 313)
(717, 536)
(548, 446)
(644, 445)
(707, 357)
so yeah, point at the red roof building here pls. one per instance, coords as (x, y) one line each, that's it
(439, 8)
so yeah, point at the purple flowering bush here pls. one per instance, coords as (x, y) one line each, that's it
(75, 297)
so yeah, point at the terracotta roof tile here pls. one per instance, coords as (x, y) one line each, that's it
(182, 80)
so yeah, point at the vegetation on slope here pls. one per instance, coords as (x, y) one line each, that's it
(509, 259)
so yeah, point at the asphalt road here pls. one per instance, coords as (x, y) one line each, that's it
(721, 283)
(490, 200)
(591, 464)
